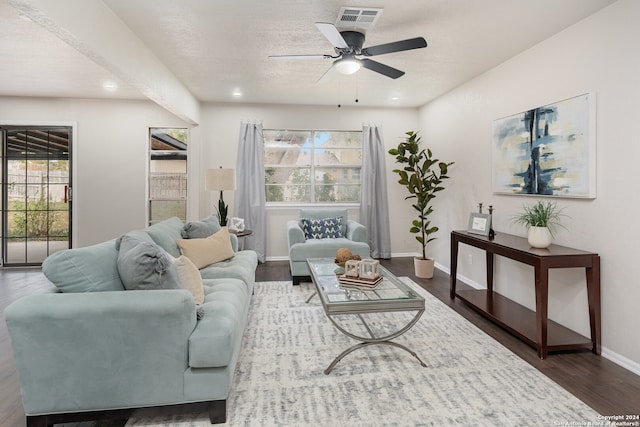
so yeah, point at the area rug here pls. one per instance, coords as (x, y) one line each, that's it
(470, 379)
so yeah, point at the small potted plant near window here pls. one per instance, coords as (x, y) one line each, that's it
(422, 175)
(541, 220)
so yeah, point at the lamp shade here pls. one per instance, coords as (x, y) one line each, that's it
(221, 179)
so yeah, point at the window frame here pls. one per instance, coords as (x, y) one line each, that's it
(184, 185)
(312, 167)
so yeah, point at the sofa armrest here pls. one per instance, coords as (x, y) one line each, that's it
(356, 231)
(100, 350)
(294, 232)
(234, 242)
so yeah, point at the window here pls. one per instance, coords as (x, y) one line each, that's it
(167, 173)
(312, 166)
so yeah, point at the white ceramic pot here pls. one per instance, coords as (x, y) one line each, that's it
(539, 237)
(423, 267)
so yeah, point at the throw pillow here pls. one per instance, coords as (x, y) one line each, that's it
(144, 265)
(200, 229)
(189, 278)
(204, 252)
(325, 228)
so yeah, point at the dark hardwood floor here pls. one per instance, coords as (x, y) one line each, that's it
(601, 384)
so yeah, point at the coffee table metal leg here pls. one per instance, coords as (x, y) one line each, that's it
(309, 299)
(374, 340)
(365, 344)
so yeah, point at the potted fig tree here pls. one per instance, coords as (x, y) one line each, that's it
(422, 175)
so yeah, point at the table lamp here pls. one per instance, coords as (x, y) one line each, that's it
(221, 179)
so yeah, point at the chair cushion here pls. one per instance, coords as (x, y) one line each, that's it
(324, 228)
(326, 248)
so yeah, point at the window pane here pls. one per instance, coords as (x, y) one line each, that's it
(338, 156)
(288, 184)
(161, 210)
(337, 193)
(334, 139)
(287, 148)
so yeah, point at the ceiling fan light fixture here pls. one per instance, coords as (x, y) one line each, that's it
(347, 65)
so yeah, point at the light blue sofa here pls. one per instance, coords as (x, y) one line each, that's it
(97, 350)
(353, 236)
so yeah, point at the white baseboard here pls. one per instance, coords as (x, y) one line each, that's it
(277, 258)
(620, 360)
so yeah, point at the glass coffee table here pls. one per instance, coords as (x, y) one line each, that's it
(389, 295)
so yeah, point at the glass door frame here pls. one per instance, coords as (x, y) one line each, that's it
(68, 196)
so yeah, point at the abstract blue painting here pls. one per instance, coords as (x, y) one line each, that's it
(547, 151)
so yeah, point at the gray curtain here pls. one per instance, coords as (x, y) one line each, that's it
(374, 204)
(250, 196)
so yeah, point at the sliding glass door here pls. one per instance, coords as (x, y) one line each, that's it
(36, 190)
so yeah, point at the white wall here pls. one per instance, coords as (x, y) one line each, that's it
(220, 126)
(598, 55)
(110, 163)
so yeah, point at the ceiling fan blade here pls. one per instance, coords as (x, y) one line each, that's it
(328, 75)
(381, 49)
(372, 65)
(299, 56)
(331, 33)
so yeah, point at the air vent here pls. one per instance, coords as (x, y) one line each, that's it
(357, 18)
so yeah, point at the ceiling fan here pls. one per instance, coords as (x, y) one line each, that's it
(348, 47)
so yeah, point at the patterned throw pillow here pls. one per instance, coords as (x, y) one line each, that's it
(325, 228)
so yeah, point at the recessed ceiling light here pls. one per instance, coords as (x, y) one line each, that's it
(395, 98)
(236, 93)
(110, 86)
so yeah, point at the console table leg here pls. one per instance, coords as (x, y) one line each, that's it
(454, 266)
(542, 307)
(593, 296)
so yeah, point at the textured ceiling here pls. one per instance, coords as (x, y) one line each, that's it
(217, 47)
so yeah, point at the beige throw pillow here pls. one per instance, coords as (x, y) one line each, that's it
(204, 252)
(189, 277)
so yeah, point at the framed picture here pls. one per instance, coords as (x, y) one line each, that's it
(479, 224)
(547, 151)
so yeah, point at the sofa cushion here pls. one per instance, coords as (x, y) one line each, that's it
(201, 229)
(166, 233)
(144, 265)
(323, 228)
(212, 342)
(189, 277)
(204, 252)
(89, 269)
(242, 266)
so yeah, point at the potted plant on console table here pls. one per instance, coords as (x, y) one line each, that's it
(541, 220)
(422, 175)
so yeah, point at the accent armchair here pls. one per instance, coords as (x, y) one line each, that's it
(319, 233)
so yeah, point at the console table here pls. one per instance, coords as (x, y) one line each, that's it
(534, 328)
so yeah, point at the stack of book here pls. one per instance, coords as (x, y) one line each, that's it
(359, 281)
